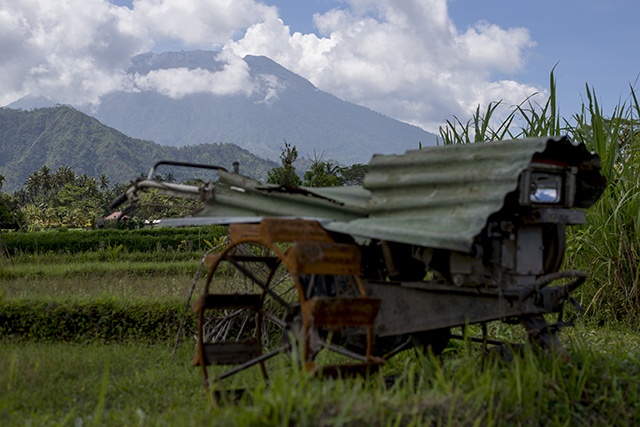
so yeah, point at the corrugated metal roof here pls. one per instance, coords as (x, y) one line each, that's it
(437, 197)
(441, 196)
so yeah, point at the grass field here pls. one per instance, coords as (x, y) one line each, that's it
(122, 378)
(136, 384)
(93, 382)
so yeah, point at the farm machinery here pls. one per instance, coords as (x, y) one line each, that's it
(434, 239)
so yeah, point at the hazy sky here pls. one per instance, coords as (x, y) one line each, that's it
(420, 61)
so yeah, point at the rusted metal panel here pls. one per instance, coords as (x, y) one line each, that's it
(325, 258)
(289, 230)
(438, 197)
(230, 352)
(340, 311)
(243, 231)
(441, 197)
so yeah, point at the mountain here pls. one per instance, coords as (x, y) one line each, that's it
(282, 106)
(61, 135)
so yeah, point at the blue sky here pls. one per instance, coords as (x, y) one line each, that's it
(592, 42)
(589, 42)
(420, 61)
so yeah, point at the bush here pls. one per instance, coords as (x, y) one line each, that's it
(142, 240)
(102, 321)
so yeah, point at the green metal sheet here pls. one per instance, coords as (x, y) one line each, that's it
(240, 196)
(437, 197)
(441, 196)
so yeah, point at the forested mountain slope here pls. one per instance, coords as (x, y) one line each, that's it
(61, 135)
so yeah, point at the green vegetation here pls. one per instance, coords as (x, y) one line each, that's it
(286, 174)
(104, 320)
(320, 173)
(88, 322)
(608, 245)
(62, 199)
(55, 158)
(62, 136)
(145, 240)
(323, 174)
(133, 383)
(74, 195)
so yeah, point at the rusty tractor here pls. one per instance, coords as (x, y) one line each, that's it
(434, 239)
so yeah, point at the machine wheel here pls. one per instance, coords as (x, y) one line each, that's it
(241, 314)
(258, 296)
(554, 243)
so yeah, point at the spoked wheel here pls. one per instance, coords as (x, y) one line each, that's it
(242, 313)
(333, 330)
(258, 296)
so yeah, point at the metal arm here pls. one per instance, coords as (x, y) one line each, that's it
(169, 189)
(152, 172)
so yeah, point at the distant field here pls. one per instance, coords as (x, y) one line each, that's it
(134, 381)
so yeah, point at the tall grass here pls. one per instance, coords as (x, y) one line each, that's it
(136, 384)
(608, 245)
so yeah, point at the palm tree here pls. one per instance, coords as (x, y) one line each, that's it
(32, 184)
(103, 181)
(45, 178)
(64, 175)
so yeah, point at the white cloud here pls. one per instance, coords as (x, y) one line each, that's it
(268, 88)
(202, 23)
(489, 46)
(404, 58)
(72, 51)
(178, 82)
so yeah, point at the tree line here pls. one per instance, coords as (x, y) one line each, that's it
(62, 198)
(320, 174)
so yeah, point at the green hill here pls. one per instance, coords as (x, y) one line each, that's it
(61, 135)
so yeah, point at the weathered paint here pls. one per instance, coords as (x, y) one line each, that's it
(240, 196)
(442, 196)
(438, 197)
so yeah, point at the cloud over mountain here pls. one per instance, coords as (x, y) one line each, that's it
(405, 59)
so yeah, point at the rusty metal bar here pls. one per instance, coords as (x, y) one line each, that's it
(231, 352)
(262, 358)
